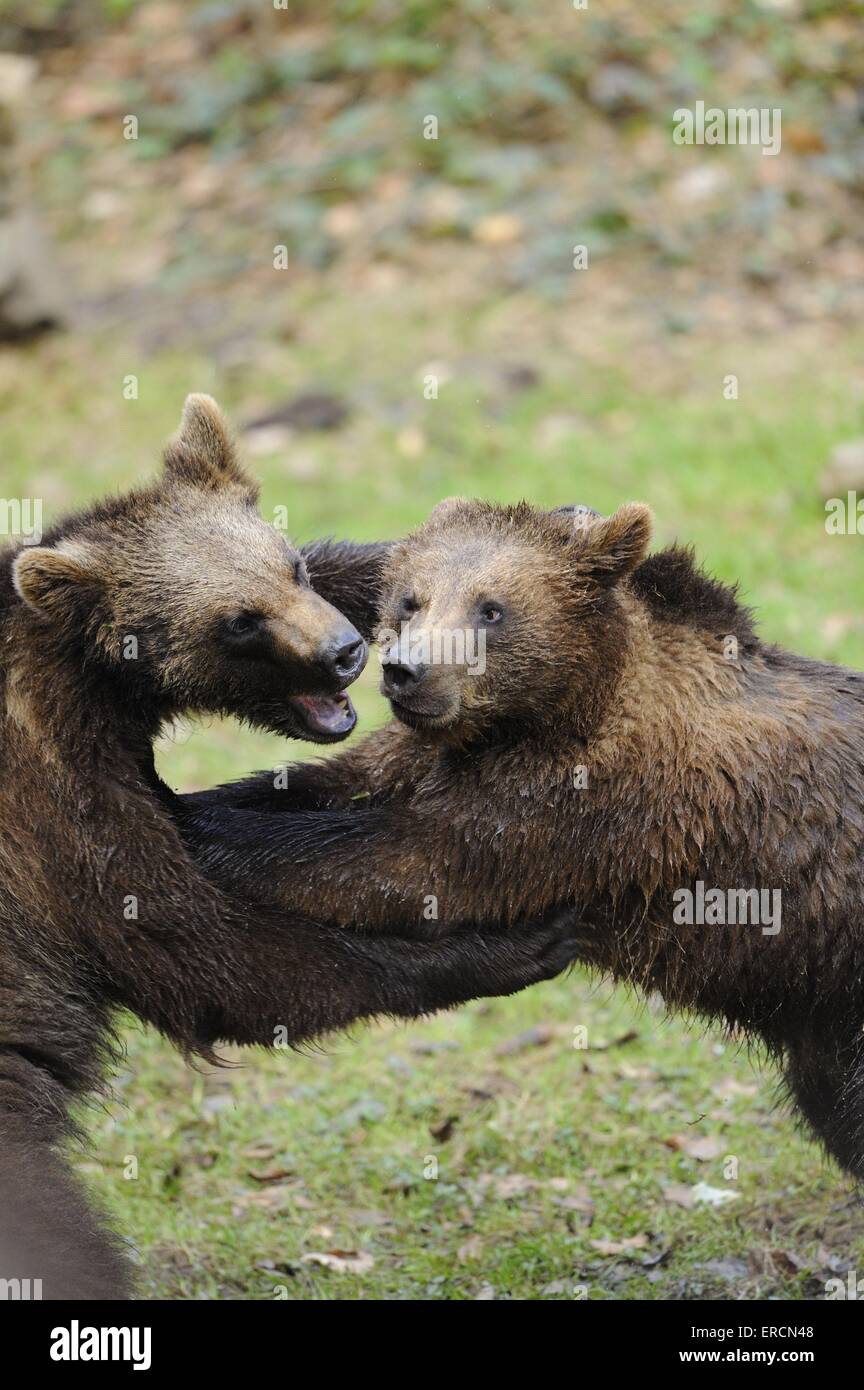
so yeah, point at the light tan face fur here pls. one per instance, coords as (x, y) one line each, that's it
(527, 590)
(223, 561)
(216, 600)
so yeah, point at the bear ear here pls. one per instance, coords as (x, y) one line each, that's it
(611, 547)
(202, 451)
(44, 578)
(578, 514)
(447, 507)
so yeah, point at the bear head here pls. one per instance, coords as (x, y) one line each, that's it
(500, 618)
(185, 596)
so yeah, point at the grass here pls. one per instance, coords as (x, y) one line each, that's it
(550, 1157)
(244, 1173)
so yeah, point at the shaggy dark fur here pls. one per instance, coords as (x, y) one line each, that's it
(101, 904)
(676, 591)
(730, 762)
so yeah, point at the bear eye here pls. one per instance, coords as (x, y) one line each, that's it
(491, 613)
(243, 623)
(409, 605)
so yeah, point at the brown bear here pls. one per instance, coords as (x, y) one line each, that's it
(175, 597)
(632, 748)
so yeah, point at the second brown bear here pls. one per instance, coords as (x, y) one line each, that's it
(631, 748)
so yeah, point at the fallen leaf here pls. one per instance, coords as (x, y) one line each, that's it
(803, 139)
(369, 1217)
(511, 1184)
(341, 1261)
(274, 1174)
(579, 1201)
(730, 1270)
(557, 1286)
(276, 1197)
(85, 101)
(713, 1196)
(498, 229)
(630, 1036)
(532, 1037)
(259, 1150)
(701, 1147)
(656, 1258)
(679, 1194)
(787, 1261)
(342, 220)
(620, 1247)
(478, 1096)
(444, 1129)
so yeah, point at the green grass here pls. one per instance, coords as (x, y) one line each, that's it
(552, 1147)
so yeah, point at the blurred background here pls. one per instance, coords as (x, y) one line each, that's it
(355, 223)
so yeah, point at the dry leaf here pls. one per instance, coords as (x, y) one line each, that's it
(679, 1194)
(701, 1147)
(260, 1150)
(620, 1247)
(630, 1036)
(510, 1185)
(532, 1037)
(579, 1201)
(444, 1129)
(714, 1196)
(497, 229)
(787, 1261)
(274, 1198)
(704, 1149)
(342, 1261)
(274, 1174)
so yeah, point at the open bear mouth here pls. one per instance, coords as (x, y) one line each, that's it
(327, 716)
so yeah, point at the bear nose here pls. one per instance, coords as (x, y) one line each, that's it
(404, 675)
(345, 656)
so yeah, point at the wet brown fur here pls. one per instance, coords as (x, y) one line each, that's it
(742, 773)
(88, 828)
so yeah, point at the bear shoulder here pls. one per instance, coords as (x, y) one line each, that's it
(676, 590)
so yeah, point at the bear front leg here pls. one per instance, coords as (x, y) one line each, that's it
(378, 868)
(261, 977)
(203, 965)
(323, 785)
